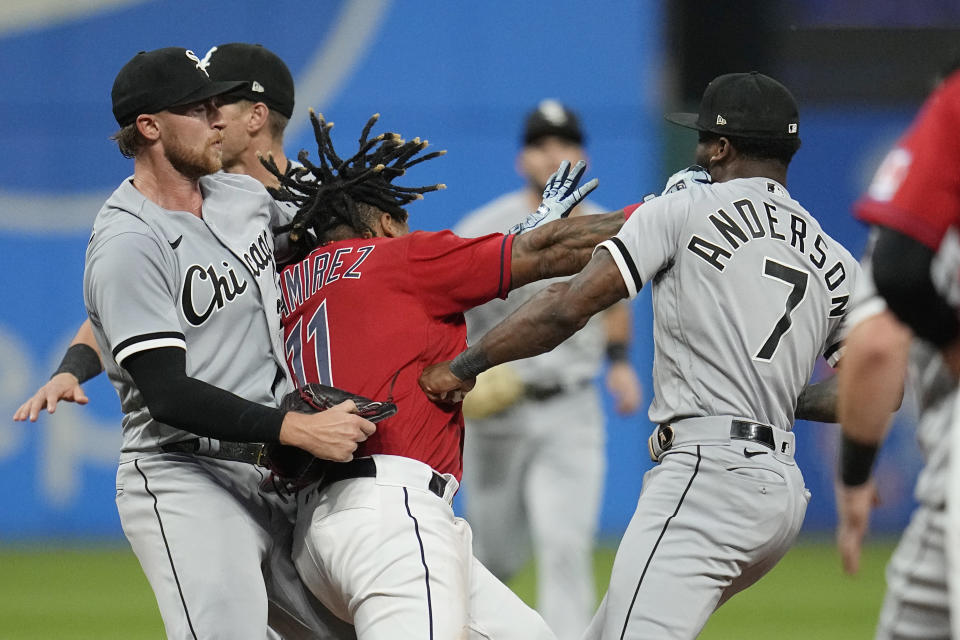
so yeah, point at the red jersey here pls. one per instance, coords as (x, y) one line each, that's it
(369, 314)
(916, 191)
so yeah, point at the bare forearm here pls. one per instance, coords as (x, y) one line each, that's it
(617, 323)
(85, 336)
(547, 319)
(871, 377)
(536, 327)
(560, 248)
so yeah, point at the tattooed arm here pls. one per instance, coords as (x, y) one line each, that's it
(560, 248)
(546, 320)
(818, 401)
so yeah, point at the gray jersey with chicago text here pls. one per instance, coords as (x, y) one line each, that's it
(748, 291)
(573, 361)
(159, 278)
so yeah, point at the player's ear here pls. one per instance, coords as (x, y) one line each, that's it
(149, 126)
(391, 227)
(257, 117)
(723, 151)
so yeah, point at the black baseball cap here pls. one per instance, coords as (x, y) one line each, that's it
(265, 77)
(156, 80)
(750, 105)
(552, 118)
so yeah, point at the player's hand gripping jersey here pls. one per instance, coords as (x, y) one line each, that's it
(748, 291)
(159, 278)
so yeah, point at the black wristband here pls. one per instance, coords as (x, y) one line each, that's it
(469, 364)
(617, 351)
(856, 461)
(81, 361)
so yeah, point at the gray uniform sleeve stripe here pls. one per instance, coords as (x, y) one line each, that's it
(628, 269)
(146, 341)
(833, 353)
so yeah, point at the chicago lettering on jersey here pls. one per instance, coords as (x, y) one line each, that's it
(301, 280)
(259, 256)
(748, 223)
(205, 291)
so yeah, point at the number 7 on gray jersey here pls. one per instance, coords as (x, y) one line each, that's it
(796, 278)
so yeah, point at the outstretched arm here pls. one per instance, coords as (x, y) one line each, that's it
(560, 248)
(80, 363)
(546, 320)
(548, 243)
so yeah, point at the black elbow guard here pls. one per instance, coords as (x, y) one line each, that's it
(901, 271)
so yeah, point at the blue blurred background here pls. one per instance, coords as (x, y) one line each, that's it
(461, 75)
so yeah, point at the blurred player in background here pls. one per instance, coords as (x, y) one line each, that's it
(748, 292)
(914, 204)
(534, 457)
(878, 355)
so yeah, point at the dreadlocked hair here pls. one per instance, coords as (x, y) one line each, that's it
(332, 192)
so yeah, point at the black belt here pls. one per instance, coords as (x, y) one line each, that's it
(540, 393)
(662, 439)
(367, 468)
(759, 433)
(249, 452)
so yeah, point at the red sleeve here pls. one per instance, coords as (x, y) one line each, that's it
(916, 190)
(452, 274)
(629, 209)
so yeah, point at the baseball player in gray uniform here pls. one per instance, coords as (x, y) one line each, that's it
(878, 356)
(748, 291)
(255, 115)
(534, 470)
(181, 288)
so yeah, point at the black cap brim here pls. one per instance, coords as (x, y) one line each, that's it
(208, 91)
(688, 120)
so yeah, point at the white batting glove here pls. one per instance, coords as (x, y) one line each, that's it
(685, 178)
(560, 196)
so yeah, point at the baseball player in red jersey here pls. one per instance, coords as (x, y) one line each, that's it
(914, 205)
(366, 310)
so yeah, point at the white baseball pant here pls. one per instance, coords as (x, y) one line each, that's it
(388, 555)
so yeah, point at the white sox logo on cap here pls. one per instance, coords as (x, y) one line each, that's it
(205, 62)
(201, 64)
